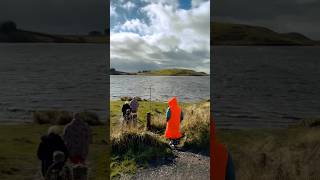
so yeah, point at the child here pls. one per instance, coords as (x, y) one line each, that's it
(58, 170)
(174, 118)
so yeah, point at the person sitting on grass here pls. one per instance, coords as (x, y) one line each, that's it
(49, 144)
(59, 170)
(77, 137)
(174, 117)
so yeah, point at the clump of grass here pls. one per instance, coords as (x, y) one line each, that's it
(158, 124)
(52, 117)
(196, 127)
(311, 122)
(133, 148)
(57, 117)
(129, 98)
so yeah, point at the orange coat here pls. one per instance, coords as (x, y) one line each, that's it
(173, 124)
(219, 157)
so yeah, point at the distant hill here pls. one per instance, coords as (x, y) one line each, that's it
(115, 72)
(239, 34)
(172, 72)
(10, 33)
(28, 36)
(161, 72)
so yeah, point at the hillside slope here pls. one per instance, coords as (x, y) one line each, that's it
(238, 34)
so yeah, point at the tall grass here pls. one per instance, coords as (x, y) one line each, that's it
(133, 147)
(292, 153)
(195, 126)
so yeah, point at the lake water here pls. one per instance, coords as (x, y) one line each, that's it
(51, 76)
(265, 86)
(185, 88)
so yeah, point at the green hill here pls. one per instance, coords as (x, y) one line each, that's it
(11, 34)
(28, 36)
(172, 72)
(239, 34)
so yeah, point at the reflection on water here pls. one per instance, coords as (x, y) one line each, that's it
(186, 88)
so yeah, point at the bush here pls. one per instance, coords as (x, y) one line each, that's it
(57, 117)
(52, 117)
(132, 149)
(91, 118)
(128, 98)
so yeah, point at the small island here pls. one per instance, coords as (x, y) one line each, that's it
(161, 72)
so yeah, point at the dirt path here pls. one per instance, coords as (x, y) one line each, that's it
(185, 166)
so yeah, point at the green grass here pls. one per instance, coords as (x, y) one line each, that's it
(134, 148)
(19, 143)
(144, 107)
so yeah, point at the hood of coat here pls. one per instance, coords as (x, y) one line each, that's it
(173, 103)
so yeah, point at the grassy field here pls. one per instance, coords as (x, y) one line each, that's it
(292, 153)
(134, 148)
(19, 143)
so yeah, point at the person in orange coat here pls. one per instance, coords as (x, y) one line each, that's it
(174, 118)
(221, 163)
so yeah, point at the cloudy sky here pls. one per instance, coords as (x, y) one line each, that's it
(56, 16)
(281, 15)
(154, 34)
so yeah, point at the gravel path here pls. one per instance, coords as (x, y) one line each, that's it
(185, 166)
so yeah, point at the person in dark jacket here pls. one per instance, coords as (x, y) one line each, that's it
(49, 144)
(125, 107)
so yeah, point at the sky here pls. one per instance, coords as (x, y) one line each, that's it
(301, 16)
(157, 34)
(56, 16)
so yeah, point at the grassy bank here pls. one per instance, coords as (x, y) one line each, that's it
(134, 148)
(292, 153)
(19, 143)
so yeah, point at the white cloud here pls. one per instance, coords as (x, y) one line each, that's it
(113, 11)
(134, 25)
(172, 38)
(129, 5)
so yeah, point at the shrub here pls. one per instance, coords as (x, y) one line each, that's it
(57, 117)
(8, 26)
(52, 117)
(132, 149)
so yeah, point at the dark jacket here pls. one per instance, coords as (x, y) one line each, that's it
(124, 109)
(48, 145)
